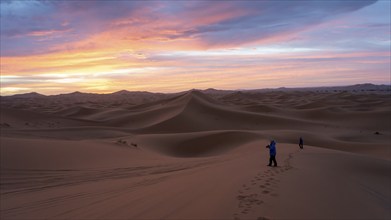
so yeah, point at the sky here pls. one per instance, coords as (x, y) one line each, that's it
(54, 47)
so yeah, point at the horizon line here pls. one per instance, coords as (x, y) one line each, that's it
(195, 89)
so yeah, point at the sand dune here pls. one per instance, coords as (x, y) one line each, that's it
(196, 144)
(77, 112)
(25, 119)
(197, 155)
(200, 114)
(113, 182)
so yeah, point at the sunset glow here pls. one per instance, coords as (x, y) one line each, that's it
(54, 47)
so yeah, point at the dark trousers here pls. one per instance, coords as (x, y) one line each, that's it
(272, 159)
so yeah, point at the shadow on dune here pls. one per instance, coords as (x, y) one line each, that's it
(199, 144)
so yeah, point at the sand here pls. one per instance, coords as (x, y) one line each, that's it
(196, 155)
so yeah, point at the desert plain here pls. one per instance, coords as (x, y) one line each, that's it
(198, 154)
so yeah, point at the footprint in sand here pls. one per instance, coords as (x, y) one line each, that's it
(265, 191)
(266, 181)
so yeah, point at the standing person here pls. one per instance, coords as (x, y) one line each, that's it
(273, 152)
(301, 143)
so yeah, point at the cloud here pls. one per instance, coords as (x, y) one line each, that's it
(25, 23)
(176, 72)
(207, 23)
(266, 20)
(166, 46)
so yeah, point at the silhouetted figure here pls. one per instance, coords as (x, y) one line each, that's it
(273, 152)
(301, 143)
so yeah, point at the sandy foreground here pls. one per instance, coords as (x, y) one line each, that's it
(197, 156)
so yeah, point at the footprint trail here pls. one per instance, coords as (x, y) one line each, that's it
(252, 194)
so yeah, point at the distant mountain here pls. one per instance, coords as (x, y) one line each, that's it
(367, 87)
(210, 91)
(132, 93)
(77, 93)
(122, 92)
(28, 95)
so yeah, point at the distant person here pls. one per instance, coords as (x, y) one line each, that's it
(273, 152)
(301, 143)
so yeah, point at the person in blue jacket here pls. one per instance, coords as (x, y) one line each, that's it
(273, 153)
(301, 143)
